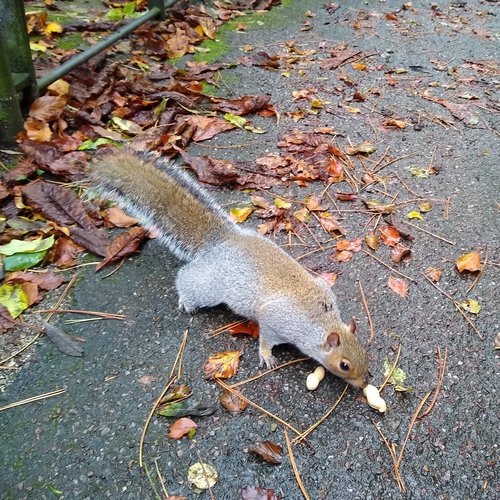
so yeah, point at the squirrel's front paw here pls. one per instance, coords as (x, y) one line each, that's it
(185, 307)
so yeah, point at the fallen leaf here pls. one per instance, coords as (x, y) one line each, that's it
(65, 252)
(364, 148)
(123, 245)
(378, 207)
(414, 215)
(390, 235)
(469, 262)
(434, 273)
(47, 108)
(400, 253)
(398, 285)
(268, 451)
(470, 305)
(425, 207)
(242, 106)
(117, 217)
(64, 342)
(222, 365)
(282, 203)
(250, 328)
(182, 427)
(254, 493)
(392, 122)
(6, 321)
(353, 246)
(202, 475)
(13, 298)
(240, 214)
(343, 256)
(313, 203)
(185, 408)
(397, 378)
(330, 224)
(372, 241)
(346, 196)
(232, 403)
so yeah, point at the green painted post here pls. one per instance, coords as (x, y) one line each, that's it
(11, 120)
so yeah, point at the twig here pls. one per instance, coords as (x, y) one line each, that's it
(255, 405)
(302, 436)
(78, 311)
(455, 303)
(388, 267)
(255, 377)
(393, 457)
(478, 277)
(202, 463)
(160, 397)
(447, 207)
(410, 428)
(406, 187)
(120, 264)
(389, 375)
(151, 482)
(365, 304)
(225, 328)
(33, 399)
(389, 163)
(441, 370)
(429, 232)
(160, 478)
(294, 467)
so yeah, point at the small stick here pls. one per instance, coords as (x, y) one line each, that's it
(376, 171)
(478, 277)
(397, 476)
(225, 328)
(428, 232)
(447, 207)
(389, 375)
(120, 264)
(63, 296)
(455, 303)
(365, 304)
(316, 250)
(294, 467)
(302, 436)
(442, 368)
(33, 399)
(388, 267)
(205, 475)
(255, 405)
(255, 377)
(406, 187)
(161, 479)
(410, 428)
(171, 381)
(78, 311)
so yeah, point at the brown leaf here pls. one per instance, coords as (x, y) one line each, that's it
(330, 223)
(181, 427)
(207, 127)
(434, 273)
(46, 281)
(469, 262)
(398, 285)
(232, 403)
(222, 365)
(260, 59)
(250, 328)
(372, 241)
(65, 252)
(340, 55)
(244, 105)
(119, 218)
(346, 196)
(343, 256)
(70, 165)
(123, 245)
(313, 203)
(42, 153)
(6, 321)
(47, 108)
(37, 130)
(400, 253)
(353, 246)
(390, 235)
(254, 493)
(268, 451)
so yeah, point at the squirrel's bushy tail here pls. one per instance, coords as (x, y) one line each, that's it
(163, 198)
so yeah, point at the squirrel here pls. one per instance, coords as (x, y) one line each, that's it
(227, 264)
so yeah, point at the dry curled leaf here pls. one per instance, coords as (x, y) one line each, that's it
(232, 403)
(117, 217)
(398, 285)
(390, 235)
(268, 451)
(123, 245)
(469, 262)
(247, 328)
(400, 253)
(372, 241)
(222, 365)
(434, 273)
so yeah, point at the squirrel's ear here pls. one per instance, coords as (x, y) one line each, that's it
(332, 342)
(352, 326)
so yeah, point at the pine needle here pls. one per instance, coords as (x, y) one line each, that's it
(294, 467)
(33, 399)
(388, 267)
(370, 322)
(389, 375)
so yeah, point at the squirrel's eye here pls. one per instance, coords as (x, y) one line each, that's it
(344, 366)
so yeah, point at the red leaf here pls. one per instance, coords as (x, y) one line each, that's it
(390, 235)
(181, 427)
(123, 245)
(398, 285)
(248, 328)
(268, 451)
(400, 253)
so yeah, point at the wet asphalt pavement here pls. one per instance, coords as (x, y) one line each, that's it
(84, 443)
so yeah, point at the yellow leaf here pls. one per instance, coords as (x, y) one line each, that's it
(358, 66)
(469, 262)
(53, 27)
(59, 87)
(282, 203)
(414, 215)
(471, 306)
(222, 365)
(38, 47)
(240, 214)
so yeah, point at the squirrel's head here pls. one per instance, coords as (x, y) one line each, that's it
(345, 356)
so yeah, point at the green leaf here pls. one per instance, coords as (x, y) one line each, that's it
(238, 121)
(129, 8)
(414, 215)
(419, 172)
(397, 378)
(115, 14)
(90, 144)
(14, 298)
(20, 246)
(23, 260)
(192, 433)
